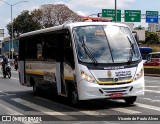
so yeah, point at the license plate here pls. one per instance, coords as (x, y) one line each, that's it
(116, 95)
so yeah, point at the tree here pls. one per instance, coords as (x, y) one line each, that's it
(23, 23)
(151, 38)
(55, 14)
(47, 16)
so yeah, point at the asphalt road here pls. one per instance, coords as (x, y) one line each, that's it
(18, 102)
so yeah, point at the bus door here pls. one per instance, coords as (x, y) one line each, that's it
(64, 64)
(60, 65)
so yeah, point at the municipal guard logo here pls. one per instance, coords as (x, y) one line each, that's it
(109, 73)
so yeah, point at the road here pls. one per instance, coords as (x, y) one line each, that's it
(19, 101)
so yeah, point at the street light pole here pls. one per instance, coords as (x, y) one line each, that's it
(115, 10)
(12, 33)
(11, 5)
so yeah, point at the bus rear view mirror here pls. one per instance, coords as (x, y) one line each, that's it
(136, 36)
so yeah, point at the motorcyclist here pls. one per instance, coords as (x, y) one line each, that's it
(16, 62)
(4, 62)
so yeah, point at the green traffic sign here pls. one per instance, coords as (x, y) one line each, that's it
(110, 13)
(151, 12)
(132, 16)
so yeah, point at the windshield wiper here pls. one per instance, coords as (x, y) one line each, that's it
(87, 51)
(131, 51)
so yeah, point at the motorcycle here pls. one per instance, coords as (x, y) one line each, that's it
(7, 71)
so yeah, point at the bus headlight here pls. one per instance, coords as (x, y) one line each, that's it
(87, 77)
(139, 75)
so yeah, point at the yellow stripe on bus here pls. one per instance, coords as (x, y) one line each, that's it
(69, 78)
(119, 82)
(34, 72)
(41, 73)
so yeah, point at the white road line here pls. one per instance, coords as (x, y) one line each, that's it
(9, 110)
(124, 110)
(147, 106)
(152, 86)
(11, 77)
(4, 93)
(153, 91)
(15, 78)
(43, 109)
(93, 113)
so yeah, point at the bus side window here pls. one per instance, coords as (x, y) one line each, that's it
(49, 47)
(31, 48)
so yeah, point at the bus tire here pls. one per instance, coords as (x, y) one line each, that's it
(130, 100)
(35, 88)
(73, 97)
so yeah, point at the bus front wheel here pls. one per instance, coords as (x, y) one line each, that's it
(73, 97)
(35, 89)
(130, 100)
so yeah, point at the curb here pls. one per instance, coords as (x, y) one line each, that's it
(153, 75)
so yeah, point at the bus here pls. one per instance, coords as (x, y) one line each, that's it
(145, 51)
(83, 61)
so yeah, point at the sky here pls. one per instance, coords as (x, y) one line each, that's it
(82, 7)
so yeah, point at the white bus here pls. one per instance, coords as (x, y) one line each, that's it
(83, 61)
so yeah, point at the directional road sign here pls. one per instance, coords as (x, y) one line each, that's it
(152, 16)
(132, 16)
(111, 13)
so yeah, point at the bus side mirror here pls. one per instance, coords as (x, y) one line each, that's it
(136, 36)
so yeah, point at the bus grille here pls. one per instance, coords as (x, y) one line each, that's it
(123, 90)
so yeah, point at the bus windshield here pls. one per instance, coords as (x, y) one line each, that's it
(105, 44)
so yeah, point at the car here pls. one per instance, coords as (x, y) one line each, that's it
(153, 59)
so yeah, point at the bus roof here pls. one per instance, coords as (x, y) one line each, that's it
(64, 26)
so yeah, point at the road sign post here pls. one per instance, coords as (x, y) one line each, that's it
(151, 16)
(111, 13)
(132, 16)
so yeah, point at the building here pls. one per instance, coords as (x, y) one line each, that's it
(7, 46)
(154, 27)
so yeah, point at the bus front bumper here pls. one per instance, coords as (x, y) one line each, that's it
(88, 91)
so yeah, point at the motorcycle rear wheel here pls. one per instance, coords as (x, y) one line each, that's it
(9, 74)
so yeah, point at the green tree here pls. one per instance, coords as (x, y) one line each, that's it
(23, 23)
(151, 38)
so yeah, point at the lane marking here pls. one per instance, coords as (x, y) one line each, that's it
(148, 106)
(4, 93)
(124, 110)
(43, 109)
(9, 110)
(151, 100)
(152, 86)
(11, 77)
(77, 111)
(144, 105)
(15, 78)
(152, 91)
